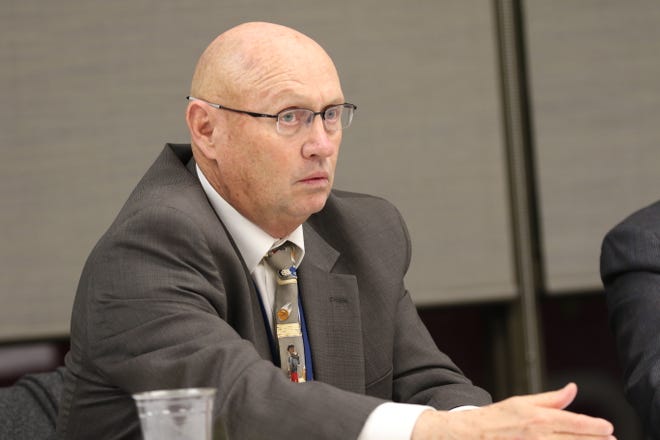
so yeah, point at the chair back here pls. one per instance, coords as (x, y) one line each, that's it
(28, 409)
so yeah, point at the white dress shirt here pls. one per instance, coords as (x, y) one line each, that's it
(388, 421)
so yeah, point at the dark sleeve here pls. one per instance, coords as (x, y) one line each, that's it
(29, 407)
(403, 361)
(422, 373)
(630, 270)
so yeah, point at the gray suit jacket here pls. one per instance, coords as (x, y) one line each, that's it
(630, 270)
(165, 301)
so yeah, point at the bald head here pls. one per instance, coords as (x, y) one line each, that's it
(247, 58)
(276, 180)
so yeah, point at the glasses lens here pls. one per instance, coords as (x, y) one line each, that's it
(347, 112)
(290, 121)
(338, 117)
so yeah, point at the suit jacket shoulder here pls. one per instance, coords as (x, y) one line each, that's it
(630, 270)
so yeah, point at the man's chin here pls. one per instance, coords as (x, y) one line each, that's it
(314, 204)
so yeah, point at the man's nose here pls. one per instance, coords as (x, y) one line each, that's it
(319, 141)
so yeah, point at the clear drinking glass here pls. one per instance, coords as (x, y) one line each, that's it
(180, 414)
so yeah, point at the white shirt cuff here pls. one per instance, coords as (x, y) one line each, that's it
(396, 421)
(392, 421)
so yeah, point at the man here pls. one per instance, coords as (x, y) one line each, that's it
(179, 292)
(630, 270)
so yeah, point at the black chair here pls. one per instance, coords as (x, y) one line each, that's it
(28, 409)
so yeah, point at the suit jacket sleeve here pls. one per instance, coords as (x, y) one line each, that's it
(630, 270)
(401, 360)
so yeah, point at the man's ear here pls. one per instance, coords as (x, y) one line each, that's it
(201, 126)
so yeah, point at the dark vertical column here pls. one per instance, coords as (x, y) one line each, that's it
(521, 332)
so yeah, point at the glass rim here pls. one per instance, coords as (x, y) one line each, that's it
(178, 393)
(347, 113)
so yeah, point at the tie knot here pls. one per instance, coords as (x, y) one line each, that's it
(282, 259)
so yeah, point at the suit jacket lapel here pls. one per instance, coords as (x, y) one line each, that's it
(332, 314)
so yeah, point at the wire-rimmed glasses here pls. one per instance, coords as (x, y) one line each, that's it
(290, 121)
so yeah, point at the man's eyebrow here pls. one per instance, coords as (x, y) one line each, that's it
(288, 98)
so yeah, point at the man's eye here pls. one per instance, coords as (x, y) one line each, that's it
(289, 117)
(332, 114)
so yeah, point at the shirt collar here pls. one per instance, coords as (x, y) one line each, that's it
(253, 242)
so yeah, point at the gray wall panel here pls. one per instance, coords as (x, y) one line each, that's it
(595, 80)
(94, 89)
(427, 137)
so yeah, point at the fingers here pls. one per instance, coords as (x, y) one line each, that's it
(569, 436)
(558, 399)
(546, 410)
(514, 418)
(568, 423)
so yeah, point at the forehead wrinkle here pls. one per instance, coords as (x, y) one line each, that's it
(263, 79)
(278, 89)
(301, 80)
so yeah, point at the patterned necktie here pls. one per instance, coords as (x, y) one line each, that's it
(286, 316)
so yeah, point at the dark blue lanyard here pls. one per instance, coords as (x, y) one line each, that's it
(308, 350)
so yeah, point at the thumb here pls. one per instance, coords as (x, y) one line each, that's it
(558, 399)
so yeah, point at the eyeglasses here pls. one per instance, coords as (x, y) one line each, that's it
(290, 121)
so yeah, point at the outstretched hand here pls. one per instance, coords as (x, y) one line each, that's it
(534, 416)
